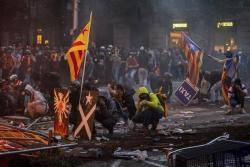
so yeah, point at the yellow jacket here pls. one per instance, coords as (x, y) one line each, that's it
(152, 103)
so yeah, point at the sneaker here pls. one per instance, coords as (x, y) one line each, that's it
(224, 106)
(71, 138)
(229, 112)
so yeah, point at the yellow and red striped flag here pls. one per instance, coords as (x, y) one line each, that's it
(76, 53)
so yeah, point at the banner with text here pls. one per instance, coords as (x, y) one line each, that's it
(185, 93)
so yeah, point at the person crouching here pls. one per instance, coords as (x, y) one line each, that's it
(149, 109)
(37, 104)
(236, 95)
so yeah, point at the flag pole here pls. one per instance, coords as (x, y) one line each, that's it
(83, 76)
(84, 65)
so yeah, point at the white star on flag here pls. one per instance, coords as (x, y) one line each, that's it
(89, 99)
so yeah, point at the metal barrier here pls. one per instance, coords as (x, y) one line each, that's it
(218, 153)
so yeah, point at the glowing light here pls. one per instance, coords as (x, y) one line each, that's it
(225, 24)
(46, 42)
(180, 25)
(39, 39)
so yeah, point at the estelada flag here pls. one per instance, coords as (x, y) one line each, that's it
(76, 53)
(194, 56)
(87, 108)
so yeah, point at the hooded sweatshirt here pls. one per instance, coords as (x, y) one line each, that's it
(153, 102)
(35, 95)
(37, 104)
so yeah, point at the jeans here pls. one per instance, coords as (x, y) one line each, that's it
(147, 117)
(237, 101)
(131, 76)
(116, 71)
(143, 76)
(215, 92)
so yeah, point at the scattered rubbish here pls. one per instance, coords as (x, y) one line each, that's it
(46, 119)
(207, 100)
(163, 132)
(220, 111)
(178, 130)
(116, 163)
(58, 138)
(103, 138)
(188, 131)
(171, 145)
(187, 112)
(137, 155)
(153, 164)
(95, 152)
(98, 138)
(224, 106)
(158, 158)
(174, 137)
(34, 122)
(83, 153)
(156, 139)
(155, 150)
(71, 137)
(188, 116)
(21, 125)
(197, 109)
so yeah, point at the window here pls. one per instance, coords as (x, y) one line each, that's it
(39, 39)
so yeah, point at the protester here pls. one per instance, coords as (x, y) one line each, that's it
(74, 97)
(37, 104)
(149, 109)
(204, 86)
(125, 98)
(105, 113)
(166, 85)
(131, 68)
(116, 64)
(44, 68)
(215, 88)
(143, 60)
(229, 73)
(236, 95)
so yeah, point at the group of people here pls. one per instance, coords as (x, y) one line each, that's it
(29, 75)
(225, 83)
(137, 66)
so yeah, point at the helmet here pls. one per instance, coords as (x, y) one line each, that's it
(143, 90)
(142, 48)
(102, 48)
(13, 77)
(75, 83)
(168, 75)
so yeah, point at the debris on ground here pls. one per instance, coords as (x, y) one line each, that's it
(137, 154)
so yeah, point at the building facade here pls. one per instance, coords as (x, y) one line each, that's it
(214, 25)
(33, 22)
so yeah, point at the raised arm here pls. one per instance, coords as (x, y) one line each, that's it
(218, 60)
